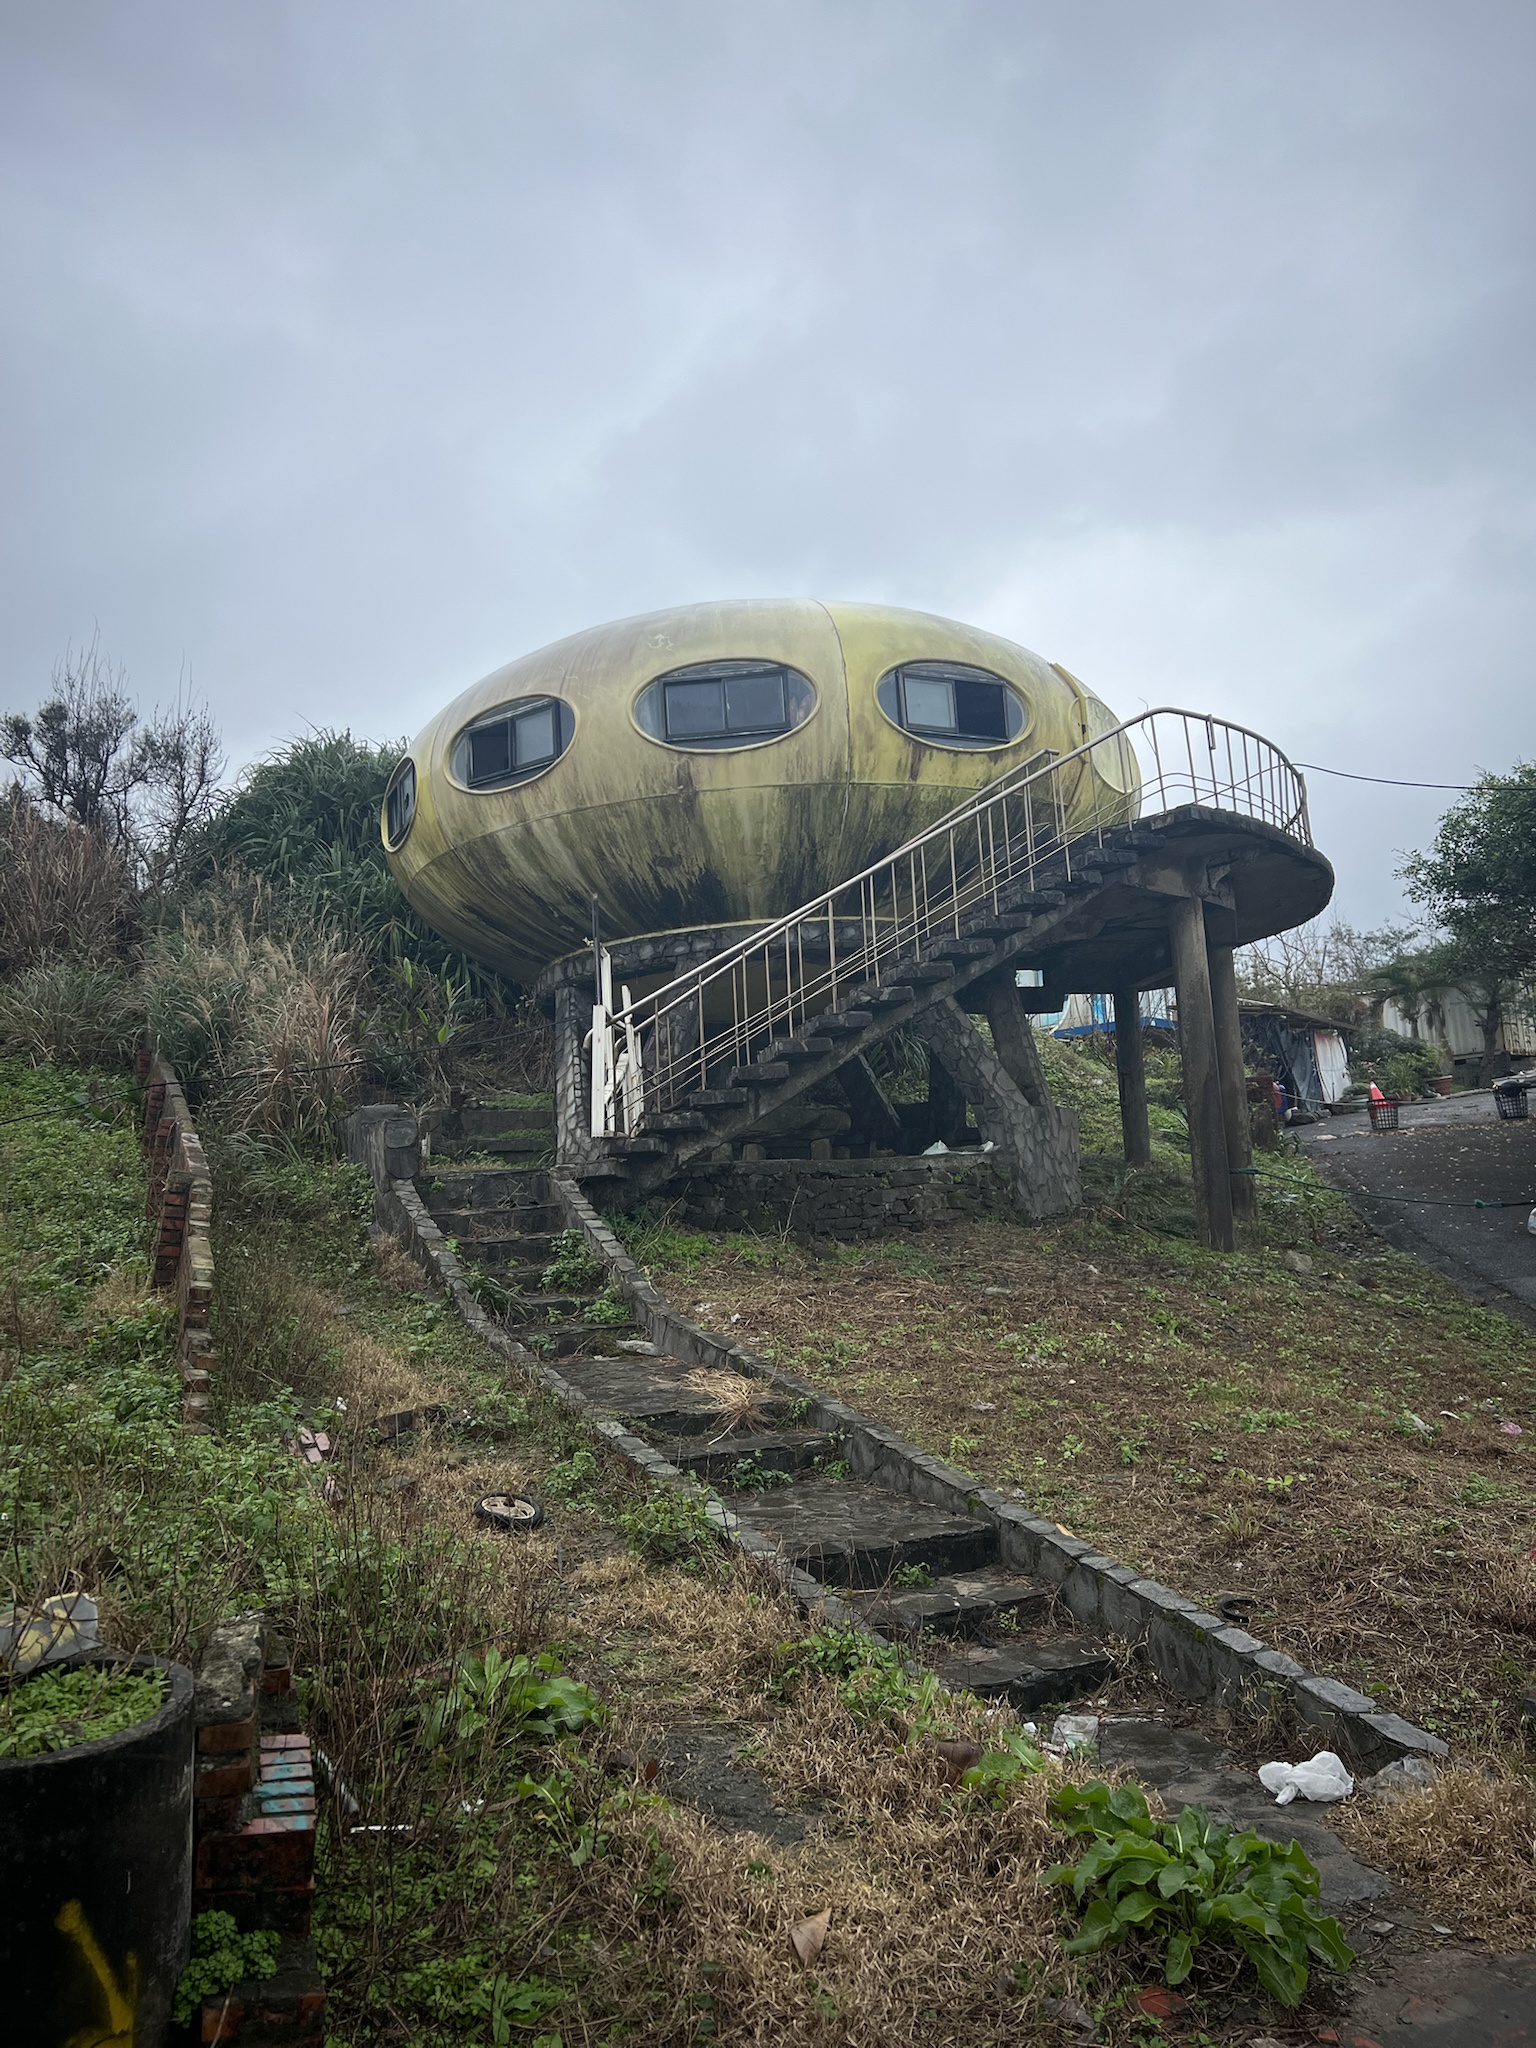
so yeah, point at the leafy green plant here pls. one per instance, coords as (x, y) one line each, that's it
(57, 1709)
(870, 1678)
(569, 1477)
(492, 1294)
(671, 1527)
(999, 1770)
(913, 1575)
(749, 1475)
(573, 1269)
(1189, 1880)
(495, 1698)
(221, 1957)
(610, 1311)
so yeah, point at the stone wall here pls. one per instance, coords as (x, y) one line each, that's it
(179, 1206)
(841, 1198)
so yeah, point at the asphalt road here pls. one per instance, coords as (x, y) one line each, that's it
(1454, 1152)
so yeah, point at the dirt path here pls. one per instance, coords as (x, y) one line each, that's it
(1453, 1151)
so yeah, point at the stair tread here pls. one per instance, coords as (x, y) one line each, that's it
(1032, 1671)
(953, 1602)
(847, 1531)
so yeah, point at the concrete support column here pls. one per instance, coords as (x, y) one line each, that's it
(1014, 1037)
(1234, 1081)
(1131, 1073)
(1202, 1075)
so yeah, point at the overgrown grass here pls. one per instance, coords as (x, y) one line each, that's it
(1223, 1423)
(490, 1873)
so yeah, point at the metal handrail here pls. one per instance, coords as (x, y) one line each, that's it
(651, 1054)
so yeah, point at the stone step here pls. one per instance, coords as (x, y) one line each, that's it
(926, 973)
(786, 1450)
(485, 1187)
(847, 1533)
(654, 1393)
(875, 996)
(571, 1343)
(476, 1121)
(960, 949)
(477, 1227)
(1031, 1671)
(843, 1023)
(797, 1049)
(714, 1098)
(529, 1145)
(955, 1604)
(761, 1074)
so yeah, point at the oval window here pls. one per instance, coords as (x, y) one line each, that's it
(400, 803)
(724, 704)
(511, 743)
(950, 704)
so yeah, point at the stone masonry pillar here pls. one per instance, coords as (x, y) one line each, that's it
(1131, 1073)
(1039, 1146)
(1014, 1036)
(1202, 1076)
(1234, 1080)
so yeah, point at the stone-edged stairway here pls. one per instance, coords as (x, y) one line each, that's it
(913, 1571)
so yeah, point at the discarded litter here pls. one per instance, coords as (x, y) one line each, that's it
(60, 1626)
(1076, 1731)
(1323, 1778)
(509, 1511)
(938, 1145)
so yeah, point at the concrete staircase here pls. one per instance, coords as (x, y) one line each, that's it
(914, 1571)
(1024, 921)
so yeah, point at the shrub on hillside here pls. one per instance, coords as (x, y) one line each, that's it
(269, 1030)
(63, 889)
(69, 1012)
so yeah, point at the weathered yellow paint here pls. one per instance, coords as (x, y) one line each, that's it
(120, 2000)
(666, 838)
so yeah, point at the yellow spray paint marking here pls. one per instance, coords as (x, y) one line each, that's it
(121, 2003)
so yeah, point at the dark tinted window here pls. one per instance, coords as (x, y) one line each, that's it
(725, 704)
(400, 803)
(513, 742)
(952, 704)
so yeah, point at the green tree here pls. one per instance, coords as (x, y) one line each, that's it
(1478, 882)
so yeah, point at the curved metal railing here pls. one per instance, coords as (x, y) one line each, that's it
(650, 1054)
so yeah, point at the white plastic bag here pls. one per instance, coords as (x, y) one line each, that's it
(1324, 1778)
(1530, 1223)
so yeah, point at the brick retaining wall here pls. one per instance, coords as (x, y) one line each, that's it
(179, 1206)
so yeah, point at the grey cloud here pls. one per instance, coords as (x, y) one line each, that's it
(351, 349)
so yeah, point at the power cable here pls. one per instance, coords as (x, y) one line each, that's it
(1391, 781)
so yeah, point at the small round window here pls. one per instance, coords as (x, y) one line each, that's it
(400, 803)
(724, 704)
(512, 742)
(950, 704)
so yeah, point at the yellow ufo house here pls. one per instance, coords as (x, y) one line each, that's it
(713, 765)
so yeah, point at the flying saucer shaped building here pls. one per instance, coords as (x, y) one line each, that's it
(805, 827)
(712, 765)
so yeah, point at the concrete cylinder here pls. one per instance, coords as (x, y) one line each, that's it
(96, 1878)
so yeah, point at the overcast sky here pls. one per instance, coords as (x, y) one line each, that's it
(350, 350)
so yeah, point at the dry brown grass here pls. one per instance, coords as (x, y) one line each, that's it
(1217, 1423)
(1468, 1841)
(714, 1639)
(930, 1918)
